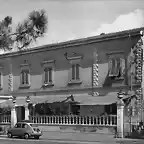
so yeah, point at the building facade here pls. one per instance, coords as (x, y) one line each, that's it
(93, 70)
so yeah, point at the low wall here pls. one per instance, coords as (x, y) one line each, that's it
(80, 128)
(3, 128)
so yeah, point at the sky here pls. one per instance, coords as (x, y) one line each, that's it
(73, 19)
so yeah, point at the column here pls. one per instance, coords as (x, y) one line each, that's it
(120, 118)
(26, 112)
(26, 108)
(142, 84)
(95, 73)
(13, 113)
(10, 80)
(139, 58)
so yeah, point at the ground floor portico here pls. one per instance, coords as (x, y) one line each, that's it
(103, 111)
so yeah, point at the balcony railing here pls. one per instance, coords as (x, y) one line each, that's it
(110, 120)
(5, 119)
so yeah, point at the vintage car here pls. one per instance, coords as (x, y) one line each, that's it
(24, 129)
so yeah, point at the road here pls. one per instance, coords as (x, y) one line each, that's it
(18, 141)
(43, 141)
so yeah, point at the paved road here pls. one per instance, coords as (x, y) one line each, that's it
(21, 141)
(43, 141)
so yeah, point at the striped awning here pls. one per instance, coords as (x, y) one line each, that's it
(107, 99)
(82, 99)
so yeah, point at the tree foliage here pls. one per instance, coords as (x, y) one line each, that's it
(26, 32)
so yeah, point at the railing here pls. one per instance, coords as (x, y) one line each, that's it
(110, 120)
(5, 119)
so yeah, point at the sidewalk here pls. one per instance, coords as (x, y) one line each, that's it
(86, 137)
(89, 137)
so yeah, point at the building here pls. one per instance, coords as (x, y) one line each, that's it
(92, 69)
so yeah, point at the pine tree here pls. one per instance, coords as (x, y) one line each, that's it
(26, 32)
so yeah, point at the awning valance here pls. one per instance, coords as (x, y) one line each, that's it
(83, 99)
(107, 99)
(20, 101)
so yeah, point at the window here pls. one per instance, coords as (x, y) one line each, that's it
(116, 67)
(47, 75)
(75, 72)
(25, 75)
(24, 126)
(18, 125)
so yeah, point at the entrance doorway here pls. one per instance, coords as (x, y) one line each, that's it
(20, 113)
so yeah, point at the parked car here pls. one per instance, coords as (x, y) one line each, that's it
(24, 129)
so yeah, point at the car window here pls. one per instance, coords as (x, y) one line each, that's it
(18, 125)
(33, 125)
(24, 126)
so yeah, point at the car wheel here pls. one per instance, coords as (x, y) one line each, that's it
(9, 135)
(36, 137)
(26, 136)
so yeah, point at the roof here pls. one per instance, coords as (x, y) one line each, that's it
(83, 41)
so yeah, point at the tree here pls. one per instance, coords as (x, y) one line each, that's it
(26, 32)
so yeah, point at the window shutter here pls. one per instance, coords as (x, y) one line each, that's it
(45, 75)
(77, 72)
(73, 72)
(117, 67)
(27, 77)
(22, 77)
(122, 66)
(111, 67)
(50, 74)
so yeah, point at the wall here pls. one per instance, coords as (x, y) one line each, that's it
(62, 66)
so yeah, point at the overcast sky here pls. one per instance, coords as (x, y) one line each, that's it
(71, 19)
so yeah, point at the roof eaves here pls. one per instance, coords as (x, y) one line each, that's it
(83, 41)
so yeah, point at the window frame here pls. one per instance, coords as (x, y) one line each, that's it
(49, 70)
(48, 64)
(75, 75)
(25, 67)
(18, 124)
(74, 61)
(118, 69)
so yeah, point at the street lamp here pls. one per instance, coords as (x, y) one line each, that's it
(27, 99)
(120, 94)
(14, 99)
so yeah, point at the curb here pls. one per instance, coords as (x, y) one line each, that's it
(108, 141)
